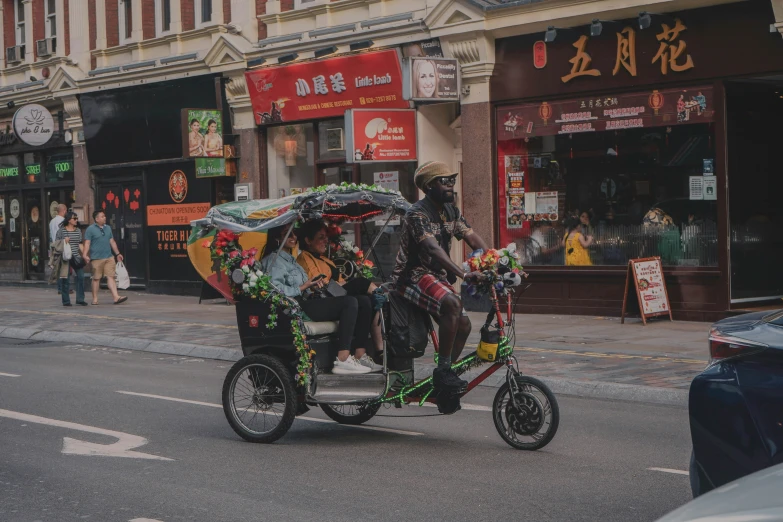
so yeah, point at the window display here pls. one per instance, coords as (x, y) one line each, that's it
(610, 184)
(291, 159)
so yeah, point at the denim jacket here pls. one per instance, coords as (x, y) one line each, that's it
(287, 275)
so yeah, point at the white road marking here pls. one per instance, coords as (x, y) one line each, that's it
(145, 520)
(669, 470)
(9, 375)
(122, 448)
(215, 405)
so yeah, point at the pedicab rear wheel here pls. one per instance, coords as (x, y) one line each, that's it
(353, 414)
(532, 422)
(259, 398)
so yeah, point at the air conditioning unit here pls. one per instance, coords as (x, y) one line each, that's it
(45, 47)
(14, 54)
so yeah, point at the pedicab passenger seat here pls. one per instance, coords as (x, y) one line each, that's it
(316, 329)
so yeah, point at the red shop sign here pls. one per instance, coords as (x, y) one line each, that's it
(326, 88)
(539, 54)
(380, 135)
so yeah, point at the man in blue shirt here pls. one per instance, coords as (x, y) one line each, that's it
(99, 245)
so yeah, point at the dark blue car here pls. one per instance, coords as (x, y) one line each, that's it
(736, 403)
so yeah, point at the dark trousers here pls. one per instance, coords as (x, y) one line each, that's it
(344, 309)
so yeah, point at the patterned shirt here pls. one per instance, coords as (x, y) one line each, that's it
(420, 222)
(74, 239)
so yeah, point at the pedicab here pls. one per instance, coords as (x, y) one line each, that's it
(287, 358)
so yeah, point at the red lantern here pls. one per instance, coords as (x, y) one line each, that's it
(539, 54)
(656, 101)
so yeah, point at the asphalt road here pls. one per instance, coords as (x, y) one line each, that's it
(449, 468)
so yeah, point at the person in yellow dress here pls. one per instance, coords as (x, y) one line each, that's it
(576, 244)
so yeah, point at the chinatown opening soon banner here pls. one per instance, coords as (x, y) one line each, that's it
(326, 88)
(380, 135)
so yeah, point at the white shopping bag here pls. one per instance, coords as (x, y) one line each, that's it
(122, 277)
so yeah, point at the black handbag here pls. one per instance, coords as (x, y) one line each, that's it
(333, 289)
(76, 265)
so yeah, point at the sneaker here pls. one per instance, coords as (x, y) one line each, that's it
(445, 379)
(369, 363)
(350, 366)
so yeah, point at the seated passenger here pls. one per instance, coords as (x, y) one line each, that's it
(293, 281)
(314, 242)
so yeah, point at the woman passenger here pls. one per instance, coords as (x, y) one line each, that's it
(294, 282)
(314, 242)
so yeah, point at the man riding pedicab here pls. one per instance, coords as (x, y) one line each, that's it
(424, 273)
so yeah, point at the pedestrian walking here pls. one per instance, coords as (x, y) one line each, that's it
(101, 248)
(54, 227)
(71, 236)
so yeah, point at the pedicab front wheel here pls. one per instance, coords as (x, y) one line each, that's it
(353, 414)
(528, 420)
(259, 398)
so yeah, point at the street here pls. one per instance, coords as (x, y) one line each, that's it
(146, 439)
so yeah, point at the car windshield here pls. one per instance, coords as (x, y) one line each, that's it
(775, 318)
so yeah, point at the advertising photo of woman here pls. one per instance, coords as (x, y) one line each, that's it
(425, 79)
(195, 139)
(213, 142)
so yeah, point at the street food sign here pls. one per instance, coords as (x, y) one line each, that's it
(650, 288)
(380, 135)
(326, 88)
(654, 108)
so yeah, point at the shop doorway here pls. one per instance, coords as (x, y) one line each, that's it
(336, 174)
(34, 244)
(124, 206)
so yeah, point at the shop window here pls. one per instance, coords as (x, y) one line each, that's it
(636, 192)
(10, 226)
(33, 167)
(291, 159)
(9, 170)
(331, 139)
(59, 167)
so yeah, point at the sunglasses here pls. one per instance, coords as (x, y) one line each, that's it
(447, 181)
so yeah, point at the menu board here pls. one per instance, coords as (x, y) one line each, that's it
(650, 286)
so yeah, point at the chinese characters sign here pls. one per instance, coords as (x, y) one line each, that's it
(326, 88)
(380, 135)
(602, 113)
(672, 53)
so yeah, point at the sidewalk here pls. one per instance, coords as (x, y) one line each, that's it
(579, 355)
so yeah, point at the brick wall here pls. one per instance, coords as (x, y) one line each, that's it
(112, 23)
(39, 19)
(9, 36)
(67, 35)
(226, 11)
(148, 19)
(261, 9)
(286, 5)
(93, 30)
(188, 11)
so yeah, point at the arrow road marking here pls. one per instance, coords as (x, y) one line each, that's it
(669, 470)
(214, 405)
(122, 448)
(9, 375)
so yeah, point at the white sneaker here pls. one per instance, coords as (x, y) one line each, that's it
(369, 363)
(350, 366)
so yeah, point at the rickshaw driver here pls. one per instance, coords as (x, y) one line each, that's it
(424, 272)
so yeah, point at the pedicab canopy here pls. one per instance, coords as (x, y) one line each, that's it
(343, 203)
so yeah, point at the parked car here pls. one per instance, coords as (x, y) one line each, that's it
(755, 498)
(736, 403)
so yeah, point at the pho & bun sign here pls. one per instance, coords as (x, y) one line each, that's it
(431, 79)
(33, 124)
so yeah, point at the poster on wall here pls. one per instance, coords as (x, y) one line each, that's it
(2, 212)
(431, 47)
(431, 79)
(696, 185)
(326, 88)
(710, 187)
(547, 207)
(515, 192)
(389, 181)
(649, 286)
(175, 197)
(202, 131)
(380, 135)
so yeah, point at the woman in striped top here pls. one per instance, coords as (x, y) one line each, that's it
(70, 233)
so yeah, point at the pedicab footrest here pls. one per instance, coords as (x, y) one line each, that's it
(349, 388)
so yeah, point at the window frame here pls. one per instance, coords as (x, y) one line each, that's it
(159, 17)
(19, 26)
(198, 7)
(304, 4)
(50, 24)
(122, 22)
